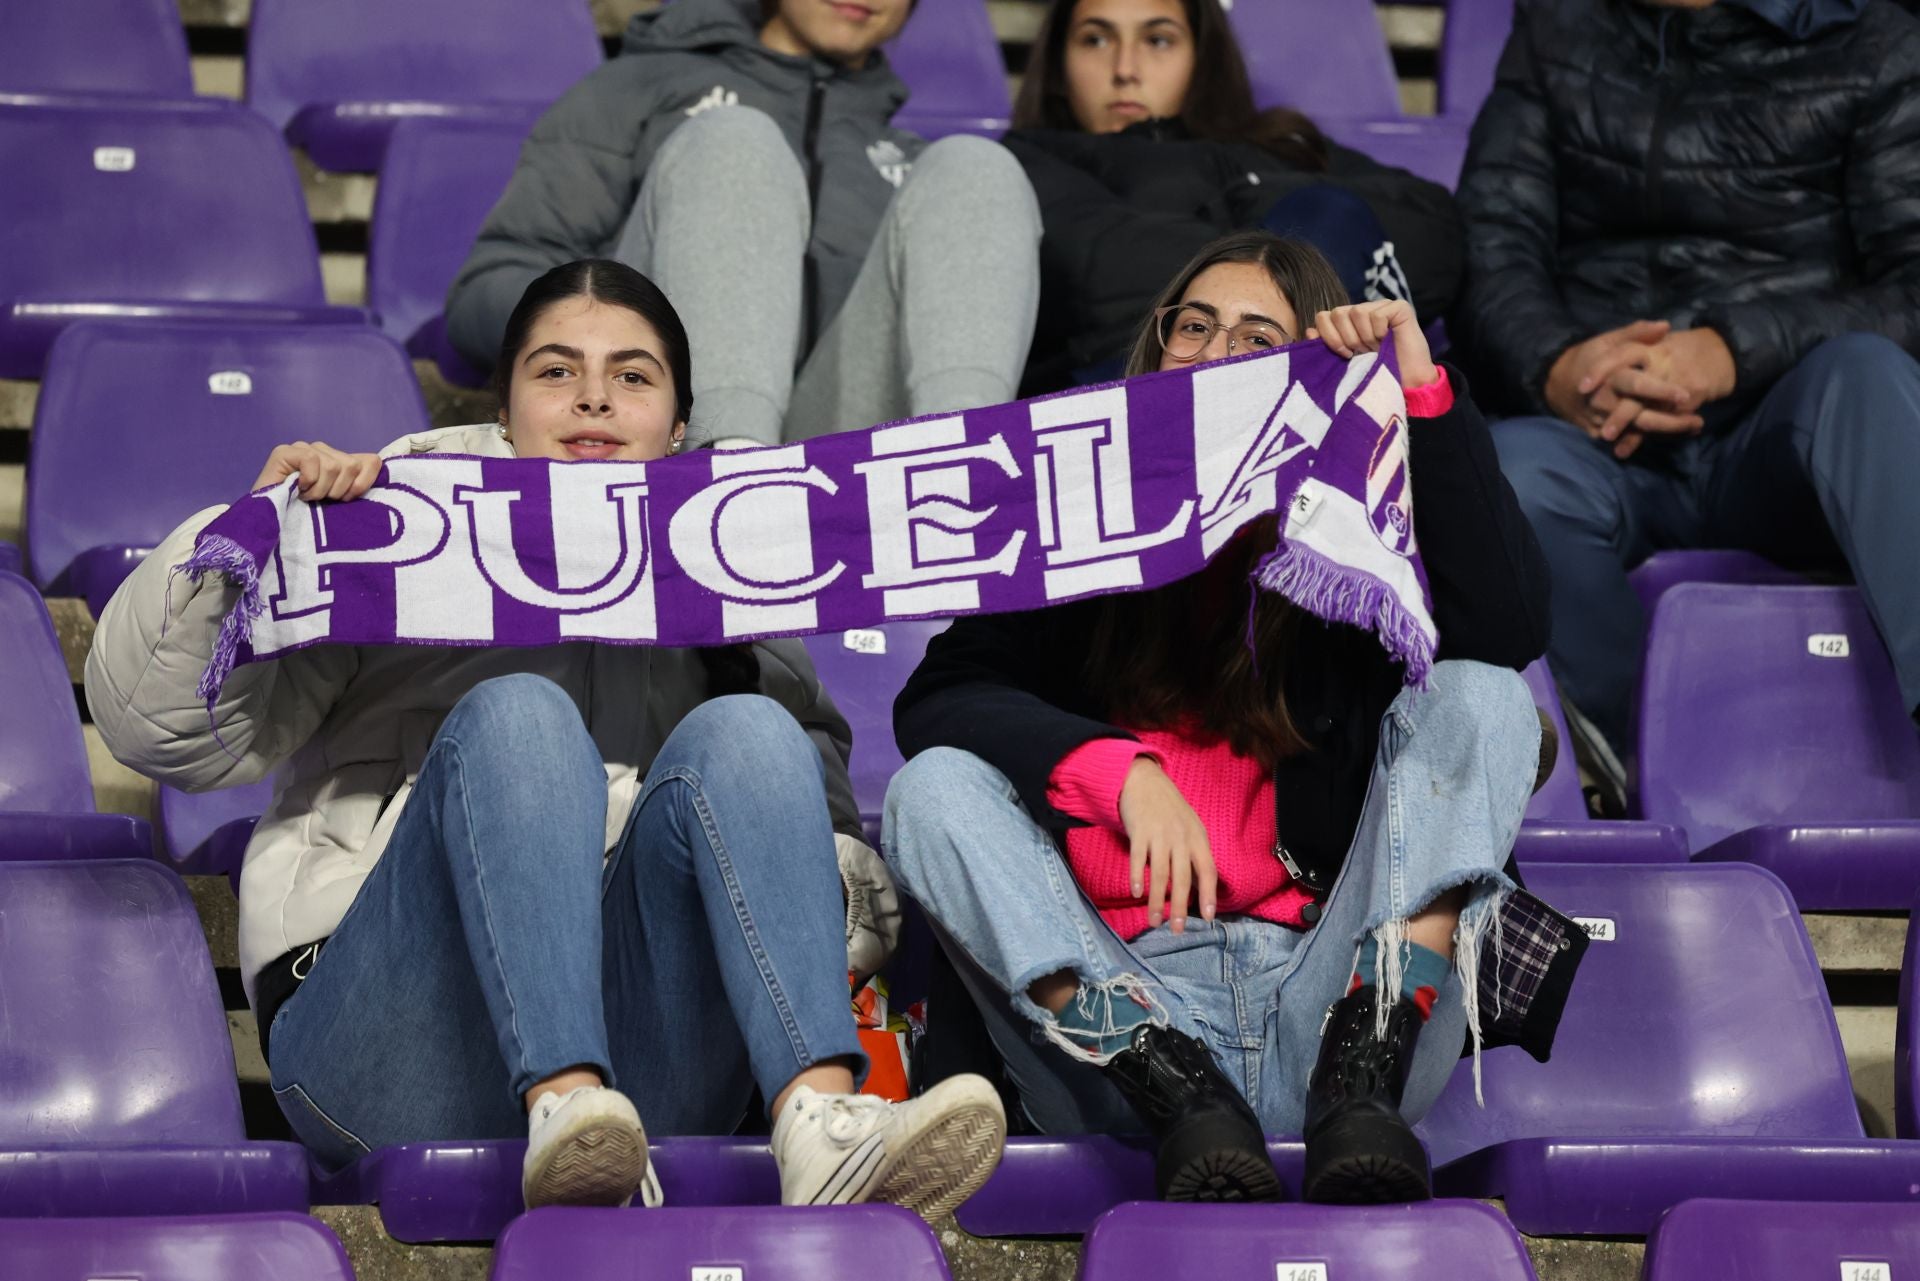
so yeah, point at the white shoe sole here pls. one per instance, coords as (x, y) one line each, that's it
(597, 1160)
(952, 1149)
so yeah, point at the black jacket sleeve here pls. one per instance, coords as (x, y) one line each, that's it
(991, 685)
(1489, 577)
(1769, 336)
(1512, 318)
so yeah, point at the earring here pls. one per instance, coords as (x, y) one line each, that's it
(673, 446)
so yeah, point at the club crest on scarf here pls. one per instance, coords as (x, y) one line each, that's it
(1010, 507)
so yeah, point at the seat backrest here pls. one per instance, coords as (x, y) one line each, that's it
(156, 203)
(43, 756)
(135, 47)
(439, 181)
(765, 1243)
(864, 670)
(1155, 1241)
(205, 1247)
(1560, 799)
(302, 52)
(1764, 705)
(1325, 57)
(188, 820)
(1470, 45)
(115, 1028)
(1660, 1037)
(949, 57)
(1654, 576)
(1428, 147)
(1784, 1240)
(214, 401)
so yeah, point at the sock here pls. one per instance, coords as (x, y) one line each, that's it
(1101, 1022)
(1420, 978)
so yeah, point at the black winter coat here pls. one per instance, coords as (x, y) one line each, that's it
(1699, 166)
(1122, 213)
(1011, 688)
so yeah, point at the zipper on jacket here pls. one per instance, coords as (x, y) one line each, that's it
(810, 267)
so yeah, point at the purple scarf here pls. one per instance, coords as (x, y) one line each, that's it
(1011, 507)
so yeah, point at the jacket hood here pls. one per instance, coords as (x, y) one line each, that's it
(1803, 19)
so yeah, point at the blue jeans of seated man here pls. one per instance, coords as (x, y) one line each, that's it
(494, 944)
(1450, 783)
(1820, 473)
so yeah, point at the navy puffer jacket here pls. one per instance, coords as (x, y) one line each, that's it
(1758, 175)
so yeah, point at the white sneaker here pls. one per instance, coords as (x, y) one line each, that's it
(584, 1147)
(928, 1154)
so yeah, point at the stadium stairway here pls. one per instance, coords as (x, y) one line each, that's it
(1860, 955)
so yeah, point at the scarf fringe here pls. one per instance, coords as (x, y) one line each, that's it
(216, 554)
(1340, 594)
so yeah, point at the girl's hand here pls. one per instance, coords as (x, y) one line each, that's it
(326, 474)
(1348, 331)
(1171, 857)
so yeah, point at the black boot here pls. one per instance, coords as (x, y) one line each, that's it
(1209, 1144)
(1359, 1149)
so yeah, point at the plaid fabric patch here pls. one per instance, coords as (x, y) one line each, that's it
(1514, 958)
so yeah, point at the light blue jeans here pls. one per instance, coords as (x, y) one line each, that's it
(494, 944)
(1450, 784)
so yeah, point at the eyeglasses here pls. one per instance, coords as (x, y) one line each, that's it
(1185, 331)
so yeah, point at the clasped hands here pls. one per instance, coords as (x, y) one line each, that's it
(1640, 379)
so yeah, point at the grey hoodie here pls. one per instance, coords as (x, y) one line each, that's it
(580, 170)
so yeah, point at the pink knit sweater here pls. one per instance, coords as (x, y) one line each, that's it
(1231, 794)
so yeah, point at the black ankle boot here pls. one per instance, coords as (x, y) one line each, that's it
(1359, 1149)
(1208, 1141)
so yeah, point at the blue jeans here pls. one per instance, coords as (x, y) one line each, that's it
(1450, 784)
(1819, 473)
(494, 944)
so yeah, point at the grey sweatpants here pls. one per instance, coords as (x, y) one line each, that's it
(938, 319)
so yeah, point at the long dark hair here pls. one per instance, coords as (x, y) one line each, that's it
(731, 669)
(1211, 648)
(1219, 103)
(617, 285)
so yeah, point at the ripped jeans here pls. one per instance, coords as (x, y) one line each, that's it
(1450, 783)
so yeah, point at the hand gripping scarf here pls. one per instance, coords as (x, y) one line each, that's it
(1012, 507)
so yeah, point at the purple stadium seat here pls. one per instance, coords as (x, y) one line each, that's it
(1698, 1057)
(1432, 148)
(1773, 731)
(776, 1243)
(135, 47)
(176, 210)
(1154, 1241)
(1470, 44)
(864, 670)
(1906, 1063)
(206, 833)
(104, 485)
(1663, 570)
(1326, 57)
(438, 183)
(337, 75)
(950, 59)
(452, 1191)
(117, 1093)
(1708, 1240)
(1557, 828)
(10, 560)
(214, 1247)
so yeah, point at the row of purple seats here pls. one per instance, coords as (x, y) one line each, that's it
(182, 210)
(208, 1247)
(1720, 1240)
(104, 485)
(46, 789)
(135, 48)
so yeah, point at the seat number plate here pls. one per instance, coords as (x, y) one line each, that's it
(719, 1274)
(865, 640)
(1829, 645)
(230, 382)
(1598, 928)
(1299, 1272)
(113, 159)
(1865, 1271)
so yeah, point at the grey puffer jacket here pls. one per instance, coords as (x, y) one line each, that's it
(581, 168)
(1753, 167)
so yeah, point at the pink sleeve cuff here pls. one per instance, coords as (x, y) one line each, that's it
(1432, 400)
(1086, 783)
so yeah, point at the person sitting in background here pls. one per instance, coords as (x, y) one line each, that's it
(1694, 251)
(1206, 864)
(739, 153)
(1138, 130)
(505, 892)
